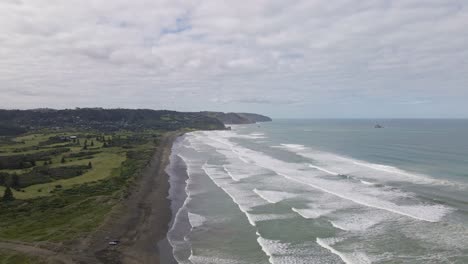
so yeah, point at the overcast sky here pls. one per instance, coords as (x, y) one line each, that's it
(294, 58)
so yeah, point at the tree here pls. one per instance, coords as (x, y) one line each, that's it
(63, 160)
(92, 143)
(8, 195)
(3, 178)
(15, 181)
(90, 165)
(33, 163)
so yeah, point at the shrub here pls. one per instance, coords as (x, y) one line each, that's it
(8, 195)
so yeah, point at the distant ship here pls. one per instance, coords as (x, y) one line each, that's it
(378, 126)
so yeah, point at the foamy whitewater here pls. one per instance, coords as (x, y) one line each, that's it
(331, 191)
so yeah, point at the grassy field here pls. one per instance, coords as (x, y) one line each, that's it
(66, 209)
(12, 257)
(103, 163)
(103, 166)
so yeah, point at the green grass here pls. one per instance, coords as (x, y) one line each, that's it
(68, 213)
(103, 166)
(13, 257)
(43, 212)
(29, 141)
(54, 219)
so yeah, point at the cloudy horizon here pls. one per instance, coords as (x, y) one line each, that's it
(299, 58)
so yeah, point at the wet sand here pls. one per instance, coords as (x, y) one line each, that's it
(143, 220)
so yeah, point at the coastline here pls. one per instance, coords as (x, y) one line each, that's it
(178, 177)
(142, 220)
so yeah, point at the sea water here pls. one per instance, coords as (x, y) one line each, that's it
(322, 191)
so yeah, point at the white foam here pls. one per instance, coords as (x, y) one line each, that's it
(382, 167)
(244, 199)
(358, 193)
(285, 253)
(237, 173)
(274, 196)
(270, 247)
(424, 212)
(349, 258)
(366, 182)
(257, 134)
(293, 146)
(312, 213)
(323, 169)
(268, 217)
(359, 221)
(251, 136)
(346, 165)
(195, 259)
(196, 220)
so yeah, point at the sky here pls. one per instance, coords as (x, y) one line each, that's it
(295, 58)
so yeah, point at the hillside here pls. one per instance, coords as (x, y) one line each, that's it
(255, 118)
(237, 118)
(15, 122)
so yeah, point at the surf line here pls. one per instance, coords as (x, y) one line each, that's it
(363, 259)
(233, 149)
(324, 170)
(180, 211)
(356, 201)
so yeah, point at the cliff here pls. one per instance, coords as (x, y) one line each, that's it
(237, 118)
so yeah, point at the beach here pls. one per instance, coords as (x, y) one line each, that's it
(142, 220)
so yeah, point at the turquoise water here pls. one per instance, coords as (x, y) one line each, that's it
(323, 191)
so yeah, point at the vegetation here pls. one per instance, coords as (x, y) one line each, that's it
(15, 122)
(58, 201)
(8, 195)
(41, 174)
(237, 118)
(12, 257)
(21, 161)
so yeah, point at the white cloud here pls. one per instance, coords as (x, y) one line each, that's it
(270, 56)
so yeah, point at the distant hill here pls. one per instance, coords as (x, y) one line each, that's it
(19, 121)
(237, 118)
(255, 118)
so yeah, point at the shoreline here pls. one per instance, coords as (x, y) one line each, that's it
(177, 172)
(142, 221)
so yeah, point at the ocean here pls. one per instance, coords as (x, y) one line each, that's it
(322, 191)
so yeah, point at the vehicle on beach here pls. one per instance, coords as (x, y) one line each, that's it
(114, 242)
